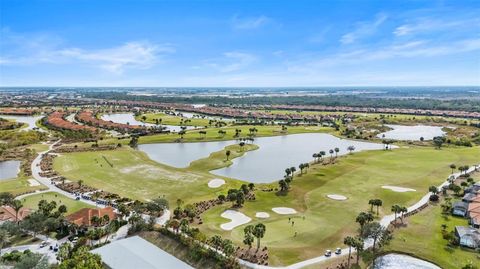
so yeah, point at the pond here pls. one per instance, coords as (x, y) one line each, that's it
(404, 132)
(29, 120)
(130, 119)
(267, 164)
(398, 261)
(9, 169)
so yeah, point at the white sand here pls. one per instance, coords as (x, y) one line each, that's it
(215, 183)
(33, 183)
(237, 219)
(284, 210)
(397, 189)
(337, 197)
(262, 215)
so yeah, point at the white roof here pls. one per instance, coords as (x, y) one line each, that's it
(136, 252)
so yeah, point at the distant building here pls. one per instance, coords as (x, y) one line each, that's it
(7, 213)
(467, 236)
(83, 217)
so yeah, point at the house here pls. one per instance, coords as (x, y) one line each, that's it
(7, 213)
(469, 197)
(83, 217)
(460, 208)
(475, 188)
(467, 236)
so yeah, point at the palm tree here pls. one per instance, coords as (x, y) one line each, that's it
(227, 153)
(248, 231)
(95, 220)
(337, 150)
(358, 245)
(259, 231)
(283, 185)
(403, 210)
(80, 183)
(396, 209)
(351, 149)
(16, 205)
(331, 153)
(364, 218)
(453, 167)
(371, 202)
(378, 203)
(315, 157)
(350, 242)
(4, 238)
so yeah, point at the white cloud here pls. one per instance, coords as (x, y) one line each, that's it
(250, 23)
(363, 29)
(41, 49)
(232, 61)
(429, 25)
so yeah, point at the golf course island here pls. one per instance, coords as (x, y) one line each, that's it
(271, 185)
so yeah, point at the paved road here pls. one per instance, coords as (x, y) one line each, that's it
(36, 170)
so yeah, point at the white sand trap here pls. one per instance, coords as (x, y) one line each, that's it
(33, 183)
(284, 210)
(215, 183)
(337, 197)
(262, 215)
(237, 219)
(397, 189)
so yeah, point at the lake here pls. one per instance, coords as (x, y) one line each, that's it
(9, 169)
(267, 164)
(29, 120)
(130, 119)
(404, 132)
(398, 261)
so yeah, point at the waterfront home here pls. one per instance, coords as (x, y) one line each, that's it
(467, 236)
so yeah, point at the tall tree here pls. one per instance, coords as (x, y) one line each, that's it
(259, 231)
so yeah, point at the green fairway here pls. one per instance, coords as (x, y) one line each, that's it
(173, 120)
(423, 238)
(213, 135)
(358, 177)
(18, 186)
(136, 176)
(71, 204)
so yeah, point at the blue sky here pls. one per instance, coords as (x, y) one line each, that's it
(239, 43)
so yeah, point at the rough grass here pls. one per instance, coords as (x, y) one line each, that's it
(359, 177)
(72, 205)
(423, 238)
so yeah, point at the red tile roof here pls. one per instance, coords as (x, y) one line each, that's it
(7, 213)
(84, 215)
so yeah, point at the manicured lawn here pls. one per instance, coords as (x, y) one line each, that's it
(213, 135)
(173, 120)
(423, 238)
(18, 186)
(39, 147)
(72, 205)
(358, 177)
(136, 176)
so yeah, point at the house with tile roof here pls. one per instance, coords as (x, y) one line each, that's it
(83, 217)
(7, 213)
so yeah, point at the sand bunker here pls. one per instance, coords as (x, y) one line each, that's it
(337, 197)
(284, 210)
(33, 183)
(397, 189)
(262, 215)
(215, 183)
(237, 219)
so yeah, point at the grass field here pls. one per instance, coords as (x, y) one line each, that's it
(173, 120)
(136, 176)
(18, 186)
(427, 225)
(72, 205)
(213, 135)
(359, 177)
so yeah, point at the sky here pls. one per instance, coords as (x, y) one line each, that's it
(231, 43)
